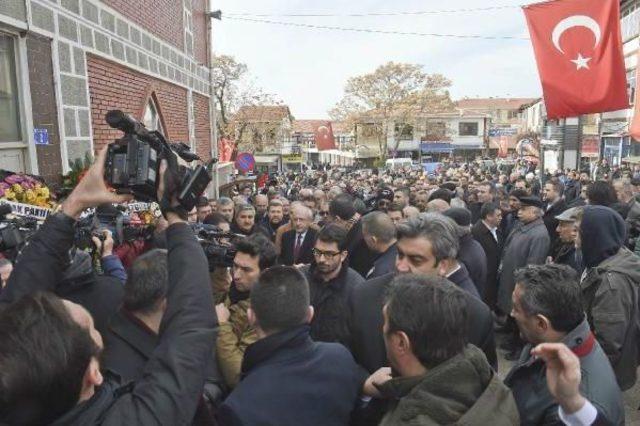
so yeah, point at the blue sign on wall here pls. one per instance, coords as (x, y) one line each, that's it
(41, 136)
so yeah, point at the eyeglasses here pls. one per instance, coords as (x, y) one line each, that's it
(321, 213)
(328, 254)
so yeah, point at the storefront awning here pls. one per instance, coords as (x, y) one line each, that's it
(436, 148)
(266, 159)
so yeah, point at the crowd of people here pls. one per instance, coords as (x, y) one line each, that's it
(355, 297)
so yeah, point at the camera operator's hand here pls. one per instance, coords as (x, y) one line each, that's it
(171, 217)
(104, 246)
(92, 191)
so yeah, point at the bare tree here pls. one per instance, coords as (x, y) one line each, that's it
(395, 93)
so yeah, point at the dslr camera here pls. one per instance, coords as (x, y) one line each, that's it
(133, 163)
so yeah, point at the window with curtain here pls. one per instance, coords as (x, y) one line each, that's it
(9, 107)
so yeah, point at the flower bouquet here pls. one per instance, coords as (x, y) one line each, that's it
(23, 188)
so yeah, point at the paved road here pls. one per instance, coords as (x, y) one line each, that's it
(631, 397)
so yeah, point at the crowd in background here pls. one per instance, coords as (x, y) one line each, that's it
(354, 296)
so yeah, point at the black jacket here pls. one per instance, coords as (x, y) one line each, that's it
(367, 342)
(288, 379)
(463, 281)
(331, 300)
(360, 257)
(493, 252)
(289, 243)
(572, 190)
(550, 220)
(172, 381)
(268, 229)
(472, 255)
(566, 254)
(384, 263)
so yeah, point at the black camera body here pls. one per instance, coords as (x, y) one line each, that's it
(218, 254)
(133, 163)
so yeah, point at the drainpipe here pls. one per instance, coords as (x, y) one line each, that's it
(213, 116)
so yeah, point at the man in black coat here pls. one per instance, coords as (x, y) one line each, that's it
(379, 233)
(555, 204)
(487, 232)
(470, 253)
(331, 283)
(289, 379)
(414, 255)
(342, 213)
(62, 343)
(298, 242)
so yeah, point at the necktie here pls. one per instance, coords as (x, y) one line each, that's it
(296, 248)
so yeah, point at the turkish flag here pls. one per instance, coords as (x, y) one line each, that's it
(578, 49)
(324, 137)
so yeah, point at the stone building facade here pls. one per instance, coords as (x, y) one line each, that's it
(65, 63)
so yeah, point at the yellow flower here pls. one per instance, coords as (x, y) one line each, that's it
(17, 188)
(10, 195)
(30, 196)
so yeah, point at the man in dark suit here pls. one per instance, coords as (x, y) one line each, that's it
(488, 233)
(297, 244)
(422, 249)
(287, 360)
(379, 233)
(552, 195)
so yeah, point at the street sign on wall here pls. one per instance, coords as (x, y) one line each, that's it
(245, 162)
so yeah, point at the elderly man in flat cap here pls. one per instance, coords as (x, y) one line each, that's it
(527, 244)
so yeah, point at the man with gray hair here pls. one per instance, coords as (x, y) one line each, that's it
(379, 233)
(527, 244)
(245, 221)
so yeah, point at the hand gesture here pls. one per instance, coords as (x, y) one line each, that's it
(105, 245)
(222, 313)
(92, 191)
(563, 374)
(376, 379)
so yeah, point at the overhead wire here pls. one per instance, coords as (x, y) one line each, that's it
(375, 31)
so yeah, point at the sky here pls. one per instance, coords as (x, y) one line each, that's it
(307, 68)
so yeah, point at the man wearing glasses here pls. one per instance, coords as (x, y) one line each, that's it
(331, 283)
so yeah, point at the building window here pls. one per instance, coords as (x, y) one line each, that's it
(468, 129)
(404, 132)
(151, 117)
(9, 106)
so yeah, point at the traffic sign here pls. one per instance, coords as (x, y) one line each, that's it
(245, 162)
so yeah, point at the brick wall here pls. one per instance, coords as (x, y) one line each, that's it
(200, 42)
(203, 129)
(44, 107)
(112, 86)
(164, 18)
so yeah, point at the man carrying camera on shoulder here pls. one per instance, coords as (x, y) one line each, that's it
(56, 338)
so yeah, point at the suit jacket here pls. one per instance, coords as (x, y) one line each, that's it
(367, 343)
(493, 252)
(472, 255)
(384, 263)
(289, 243)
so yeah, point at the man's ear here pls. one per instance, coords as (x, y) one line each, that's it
(93, 375)
(343, 256)
(310, 313)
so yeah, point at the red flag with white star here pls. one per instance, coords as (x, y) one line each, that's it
(324, 137)
(578, 50)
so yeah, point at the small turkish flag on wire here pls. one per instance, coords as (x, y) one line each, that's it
(324, 137)
(578, 50)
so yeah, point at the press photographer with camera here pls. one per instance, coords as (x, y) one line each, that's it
(56, 338)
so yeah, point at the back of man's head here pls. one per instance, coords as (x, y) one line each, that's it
(44, 355)
(432, 312)
(380, 226)
(342, 207)
(280, 299)
(147, 283)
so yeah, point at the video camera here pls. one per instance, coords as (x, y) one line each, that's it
(133, 163)
(120, 226)
(219, 253)
(14, 233)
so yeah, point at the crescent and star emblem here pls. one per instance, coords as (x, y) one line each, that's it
(324, 132)
(576, 21)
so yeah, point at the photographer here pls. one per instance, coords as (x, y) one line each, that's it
(34, 324)
(111, 264)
